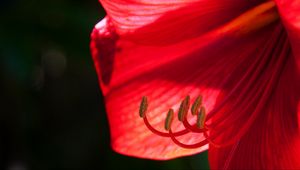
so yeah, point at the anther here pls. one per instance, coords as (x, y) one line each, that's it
(169, 119)
(143, 106)
(201, 118)
(196, 105)
(184, 108)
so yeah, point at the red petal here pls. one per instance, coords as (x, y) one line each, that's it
(290, 15)
(210, 63)
(273, 140)
(190, 18)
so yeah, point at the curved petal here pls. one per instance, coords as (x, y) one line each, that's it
(190, 18)
(212, 63)
(273, 140)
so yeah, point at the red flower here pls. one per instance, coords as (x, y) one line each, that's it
(241, 56)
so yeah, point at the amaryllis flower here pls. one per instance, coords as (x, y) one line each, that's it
(228, 69)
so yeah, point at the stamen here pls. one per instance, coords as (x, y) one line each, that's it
(169, 119)
(143, 106)
(142, 113)
(201, 118)
(199, 127)
(184, 108)
(196, 105)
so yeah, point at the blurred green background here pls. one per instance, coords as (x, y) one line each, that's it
(52, 112)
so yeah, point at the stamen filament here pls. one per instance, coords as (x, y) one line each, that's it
(216, 145)
(192, 128)
(163, 134)
(211, 142)
(188, 146)
(199, 127)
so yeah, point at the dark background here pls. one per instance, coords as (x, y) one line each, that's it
(52, 114)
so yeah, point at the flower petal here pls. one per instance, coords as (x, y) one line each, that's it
(190, 18)
(266, 117)
(290, 15)
(273, 141)
(211, 64)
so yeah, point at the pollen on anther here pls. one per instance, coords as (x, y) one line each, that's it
(143, 106)
(184, 108)
(201, 118)
(169, 119)
(196, 105)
